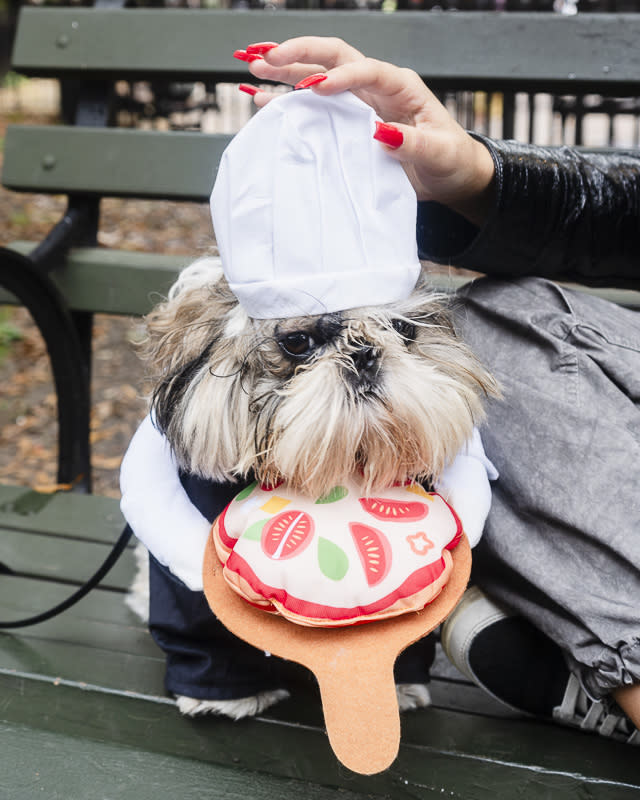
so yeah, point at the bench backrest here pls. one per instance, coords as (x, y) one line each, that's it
(475, 50)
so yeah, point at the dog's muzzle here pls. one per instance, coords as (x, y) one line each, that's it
(366, 360)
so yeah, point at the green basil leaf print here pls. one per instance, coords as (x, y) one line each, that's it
(337, 493)
(334, 563)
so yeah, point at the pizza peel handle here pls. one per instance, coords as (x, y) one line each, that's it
(360, 706)
(353, 664)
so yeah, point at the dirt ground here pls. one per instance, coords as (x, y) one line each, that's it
(28, 443)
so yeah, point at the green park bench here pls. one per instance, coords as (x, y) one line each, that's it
(83, 712)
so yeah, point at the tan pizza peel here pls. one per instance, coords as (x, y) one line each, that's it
(353, 664)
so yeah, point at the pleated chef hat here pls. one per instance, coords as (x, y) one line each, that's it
(310, 214)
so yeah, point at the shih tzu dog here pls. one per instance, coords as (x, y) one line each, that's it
(314, 350)
(388, 391)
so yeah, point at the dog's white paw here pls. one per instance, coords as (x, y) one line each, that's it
(236, 709)
(137, 598)
(412, 696)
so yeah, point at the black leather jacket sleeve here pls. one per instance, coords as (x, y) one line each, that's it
(559, 213)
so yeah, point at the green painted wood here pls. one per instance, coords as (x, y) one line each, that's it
(93, 673)
(465, 697)
(455, 755)
(26, 594)
(80, 662)
(61, 559)
(86, 517)
(99, 641)
(112, 162)
(462, 49)
(60, 767)
(86, 655)
(111, 281)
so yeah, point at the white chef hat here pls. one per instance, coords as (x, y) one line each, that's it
(310, 214)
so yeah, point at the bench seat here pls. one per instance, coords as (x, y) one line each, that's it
(72, 767)
(89, 683)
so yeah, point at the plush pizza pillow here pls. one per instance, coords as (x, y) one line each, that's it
(341, 559)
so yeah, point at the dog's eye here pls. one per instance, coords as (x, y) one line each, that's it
(297, 344)
(406, 329)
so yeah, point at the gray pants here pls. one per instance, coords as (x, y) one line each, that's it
(562, 541)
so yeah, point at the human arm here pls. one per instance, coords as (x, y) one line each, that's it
(558, 213)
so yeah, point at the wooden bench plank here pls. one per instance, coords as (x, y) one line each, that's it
(98, 679)
(60, 767)
(24, 595)
(85, 517)
(98, 641)
(60, 159)
(111, 281)
(62, 560)
(113, 628)
(451, 754)
(523, 51)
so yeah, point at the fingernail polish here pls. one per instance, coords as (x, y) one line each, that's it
(260, 48)
(242, 55)
(388, 134)
(248, 89)
(311, 80)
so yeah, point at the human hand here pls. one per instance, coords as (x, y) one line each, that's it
(443, 162)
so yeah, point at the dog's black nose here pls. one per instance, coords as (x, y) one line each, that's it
(365, 359)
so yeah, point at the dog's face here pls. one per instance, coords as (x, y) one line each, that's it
(389, 391)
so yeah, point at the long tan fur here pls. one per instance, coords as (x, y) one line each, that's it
(233, 404)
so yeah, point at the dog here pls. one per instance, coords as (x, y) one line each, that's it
(389, 392)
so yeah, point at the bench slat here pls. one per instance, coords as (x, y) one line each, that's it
(451, 754)
(89, 643)
(25, 595)
(65, 514)
(64, 560)
(524, 50)
(96, 671)
(111, 281)
(59, 767)
(131, 163)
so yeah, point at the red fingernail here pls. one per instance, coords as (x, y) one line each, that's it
(260, 48)
(311, 80)
(388, 134)
(248, 88)
(242, 55)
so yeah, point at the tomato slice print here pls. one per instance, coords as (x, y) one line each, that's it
(394, 510)
(287, 534)
(374, 551)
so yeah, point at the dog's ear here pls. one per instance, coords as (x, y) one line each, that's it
(195, 313)
(196, 346)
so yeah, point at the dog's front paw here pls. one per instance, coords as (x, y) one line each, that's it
(412, 696)
(236, 709)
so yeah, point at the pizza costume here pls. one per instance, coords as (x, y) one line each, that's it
(315, 246)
